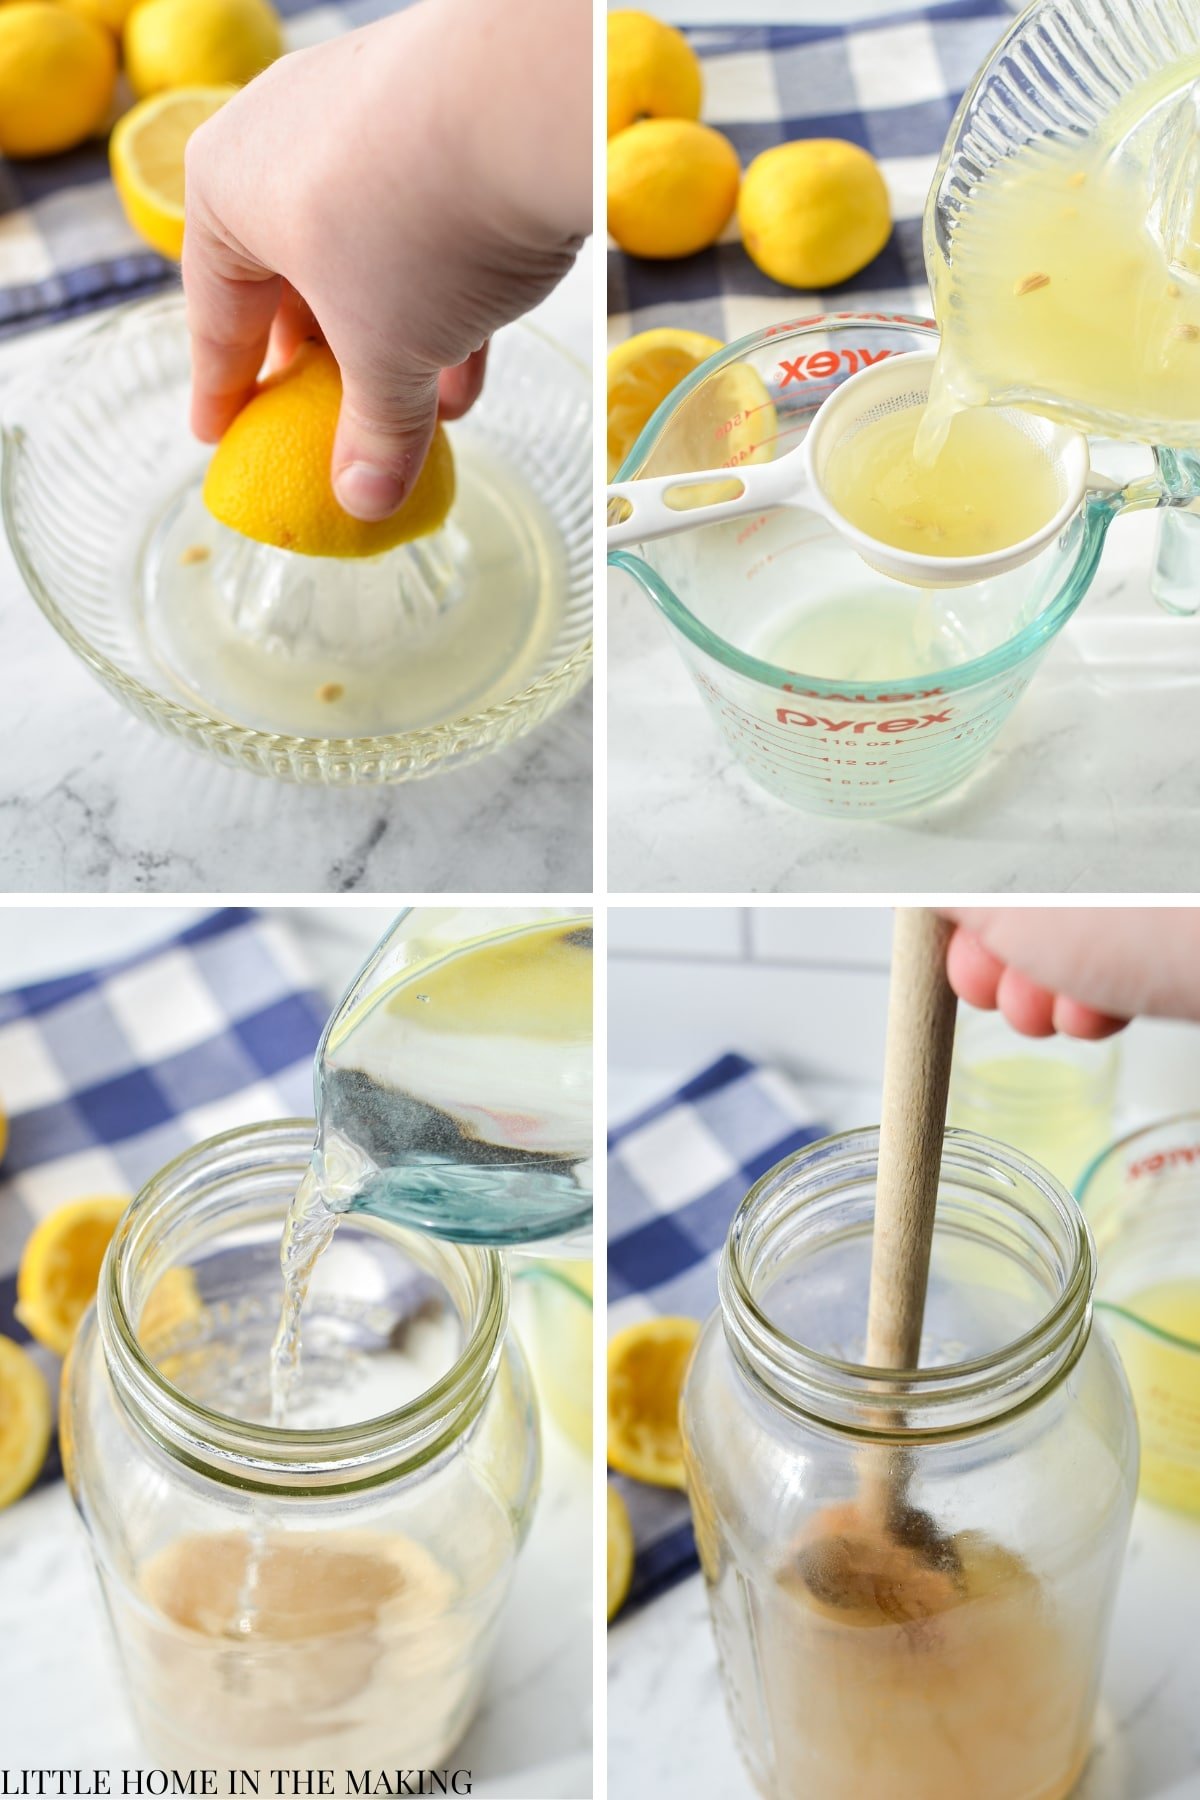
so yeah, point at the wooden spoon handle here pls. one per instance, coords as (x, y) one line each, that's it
(916, 1079)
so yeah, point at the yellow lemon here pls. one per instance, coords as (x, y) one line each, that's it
(60, 1268)
(112, 14)
(672, 185)
(199, 43)
(57, 75)
(25, 1421)
(646, 1366)
(653, 73)
(172, 1305)
(269, 476)
(641, 373)
(620, 1552)
(814, 213)
(145, 154)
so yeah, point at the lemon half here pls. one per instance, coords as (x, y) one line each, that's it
(25, 1421)
(641, 373)
(270, 474)
(646, 1366)
(145, 153)
(60, 1268)
(620, 1553)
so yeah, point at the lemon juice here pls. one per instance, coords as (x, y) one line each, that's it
(989, 485)
(1157, 1330)
(316, 646)
(561, 1345)
(1059, 1113)
(1073, 282)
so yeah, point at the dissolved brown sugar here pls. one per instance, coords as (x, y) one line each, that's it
(910, 1676)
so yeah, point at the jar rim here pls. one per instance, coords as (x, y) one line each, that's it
(270, 1457)
(933, 1401)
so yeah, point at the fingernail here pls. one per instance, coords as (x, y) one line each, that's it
(366, 492)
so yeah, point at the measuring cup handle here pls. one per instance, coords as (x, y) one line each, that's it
(648, 515)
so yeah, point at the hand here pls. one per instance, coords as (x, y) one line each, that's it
(1084, 971)
(402, 192)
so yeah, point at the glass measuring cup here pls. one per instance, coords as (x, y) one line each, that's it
(1141, 1197)
(454, 1078)
(840, 689)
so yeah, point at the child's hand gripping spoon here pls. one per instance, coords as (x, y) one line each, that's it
(659, 506)
(879, 1557)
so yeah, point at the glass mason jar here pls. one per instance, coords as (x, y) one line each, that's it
(289, 1597)
(910, 1576)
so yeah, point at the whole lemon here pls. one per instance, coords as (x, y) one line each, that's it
(199, 43)
(653, 72)
(814, 213)
(57, 74)
(112, 14)
(269, 476)
(672, 185)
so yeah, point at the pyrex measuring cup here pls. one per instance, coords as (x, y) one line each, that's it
(840, 689)
(1141, 1197)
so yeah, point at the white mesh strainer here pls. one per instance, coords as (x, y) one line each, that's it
(640, 511)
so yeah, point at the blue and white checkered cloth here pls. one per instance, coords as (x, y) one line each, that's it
(891, 86)
(65, 244)
(108, 1074)
(676, 1175)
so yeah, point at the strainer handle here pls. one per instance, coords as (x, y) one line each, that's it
(638, 511)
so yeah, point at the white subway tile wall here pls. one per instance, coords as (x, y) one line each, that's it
(805, 988)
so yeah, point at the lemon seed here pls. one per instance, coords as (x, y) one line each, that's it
(195, 553)
(1029, 284)
(330, 691)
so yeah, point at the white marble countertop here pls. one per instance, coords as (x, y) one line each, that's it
(668, 1731)
(1093, 784)
(92, 800)
(61, 1703)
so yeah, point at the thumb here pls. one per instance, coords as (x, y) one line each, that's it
(383, 437)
